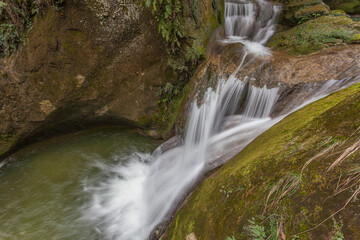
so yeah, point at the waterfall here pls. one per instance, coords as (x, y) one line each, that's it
(254, 21)
(251, 23)
(230, 116)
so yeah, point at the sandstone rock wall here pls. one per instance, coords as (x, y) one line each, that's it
(94, 62)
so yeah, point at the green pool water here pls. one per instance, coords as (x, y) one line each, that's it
(43, 187)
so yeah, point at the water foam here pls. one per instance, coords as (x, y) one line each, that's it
(142, 193)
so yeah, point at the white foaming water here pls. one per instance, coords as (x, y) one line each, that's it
(251, 23)
(142, 193)
(132, 204)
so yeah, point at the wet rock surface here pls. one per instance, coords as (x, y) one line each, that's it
(287, 71)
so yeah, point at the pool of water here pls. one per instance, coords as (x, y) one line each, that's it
(44, 189)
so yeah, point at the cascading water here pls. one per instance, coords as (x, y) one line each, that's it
(251, 23)
(254, 21)
(146, 191)
(155, 186)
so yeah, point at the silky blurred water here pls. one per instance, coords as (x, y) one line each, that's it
(43, 190)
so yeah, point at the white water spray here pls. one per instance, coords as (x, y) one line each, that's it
(147, 189)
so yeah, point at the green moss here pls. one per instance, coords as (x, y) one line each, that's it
(187, 27)
(167, 113)
(17, 21)
(268, 161)
(296, 11)
(356, 38)
(310, 11)
(304, 3)
(317, 34)
(355, 18)
(349, 6)
(338, 12)
(144, 122)
(6, 141)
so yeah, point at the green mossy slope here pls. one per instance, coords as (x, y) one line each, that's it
(281, 182)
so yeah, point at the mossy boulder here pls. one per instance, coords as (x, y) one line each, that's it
(296, 11)
(349, 6)
(298, 180)
(317, 34)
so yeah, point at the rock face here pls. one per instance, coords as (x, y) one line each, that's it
(94, 62)
(86, 63)
(337, 62)
(300, 179)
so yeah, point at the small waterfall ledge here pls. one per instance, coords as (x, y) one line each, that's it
(229, 116)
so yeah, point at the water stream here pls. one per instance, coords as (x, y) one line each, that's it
(43, 188)
(127, 192)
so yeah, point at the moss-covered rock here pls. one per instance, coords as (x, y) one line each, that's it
(349, 6)
(286, 181)
(297, 11)
(317, 34)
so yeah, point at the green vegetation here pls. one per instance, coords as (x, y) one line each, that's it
(349, 6)
(338, 234)
(308, 17)
(16, 19)
(170, 100)
(6, 140)
(186, 27)
(262, 228)
(298, 176)
(230, 238)
(317, 34)
(167, 14)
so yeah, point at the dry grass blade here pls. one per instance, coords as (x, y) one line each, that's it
(284, 188)
(349, 151)
(322, 153)
(280, 234)
(351, 179)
